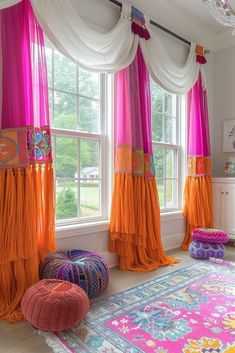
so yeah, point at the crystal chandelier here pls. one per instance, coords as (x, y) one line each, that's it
(223, 12)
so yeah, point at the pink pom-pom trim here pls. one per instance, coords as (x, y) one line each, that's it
(140, 30)
(201, 59)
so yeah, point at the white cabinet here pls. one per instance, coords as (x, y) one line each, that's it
(224, 204)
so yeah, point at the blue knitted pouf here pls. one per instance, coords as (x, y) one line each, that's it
(87, 269)
(203, 250)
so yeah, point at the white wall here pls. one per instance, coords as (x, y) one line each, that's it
(224, 104)
(210, 81)
(106, 15)
(172, 236)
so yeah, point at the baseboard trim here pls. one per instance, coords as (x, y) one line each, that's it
(172, 241)
(169, 242)
(111, 258)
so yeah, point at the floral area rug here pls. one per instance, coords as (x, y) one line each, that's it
(191, 310)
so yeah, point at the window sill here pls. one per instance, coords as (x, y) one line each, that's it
(73, 230)
(171, 216)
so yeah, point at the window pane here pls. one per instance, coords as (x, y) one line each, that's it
(89, 198)
(66, 157)
(66, 199)
(170, 104)
(50, 96)
(89, 159)
(158, 155)
(53, 148)
(157, 127)
(171, 193)
(164, 132)
(88, 83)
(170, 167)
(65, 75)
(170, 129)
(49, 65)
(160, 188)
(47, 43)
(65, 111)
(157, 98)
(75, 101)
(89, 115)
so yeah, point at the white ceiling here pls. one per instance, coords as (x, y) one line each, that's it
(195, 10)
(198, 11)
(191, 19)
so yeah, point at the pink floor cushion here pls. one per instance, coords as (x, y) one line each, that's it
(210, 235)
(203, 250)
(87, 269)
(54, 305)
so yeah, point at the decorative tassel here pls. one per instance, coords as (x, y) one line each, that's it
(200, 51)
(140, 30)
(201, 59)
(138, 24)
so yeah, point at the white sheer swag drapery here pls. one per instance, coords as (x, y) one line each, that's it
(7, 3)
(112, 51)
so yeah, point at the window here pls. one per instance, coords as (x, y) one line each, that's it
(166, 145)
(77, 113)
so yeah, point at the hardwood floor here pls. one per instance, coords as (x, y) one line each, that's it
(20, 337)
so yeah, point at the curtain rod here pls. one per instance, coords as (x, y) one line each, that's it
(116, 2)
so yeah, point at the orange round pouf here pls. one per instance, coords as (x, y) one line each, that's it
(54, 305)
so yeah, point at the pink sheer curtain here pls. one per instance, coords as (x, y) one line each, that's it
(27, 213)
(133, 107)
(25, 87)
(198, 191)
(198, 138)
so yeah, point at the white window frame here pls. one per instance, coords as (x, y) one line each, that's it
(70, 229)
(180, 159)
(105, 150)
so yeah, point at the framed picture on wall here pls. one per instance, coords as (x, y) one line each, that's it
(229, 136)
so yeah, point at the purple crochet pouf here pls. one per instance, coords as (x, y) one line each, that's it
(203, 250)
(87, 269)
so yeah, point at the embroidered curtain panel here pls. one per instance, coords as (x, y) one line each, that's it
(198, 190)
(135, 216)
(26, 171)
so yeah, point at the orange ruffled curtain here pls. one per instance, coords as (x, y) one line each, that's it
(135, 215)
(27, 209)
(27, 232)
(198, 188)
